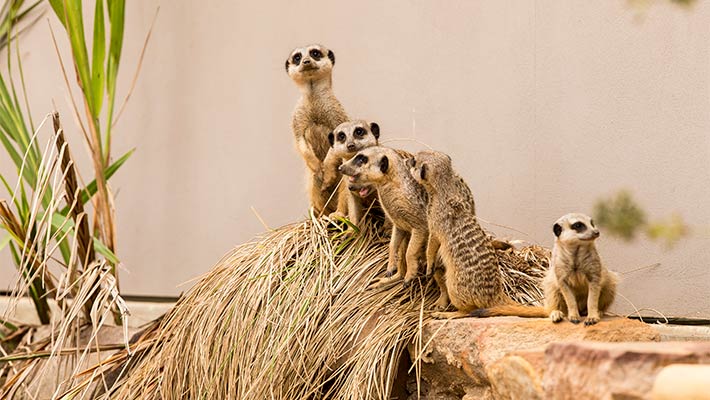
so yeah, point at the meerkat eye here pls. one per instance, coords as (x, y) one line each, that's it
(360, 160)
(296, 58)
(359, 132)
(591, 222)
(411, 163)
(341, 136)
(317, 54)
(579, 227)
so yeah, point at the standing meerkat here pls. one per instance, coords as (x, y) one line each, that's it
(346, 140)
(317, 112)
(577, 281)
(471, 279)
(403, 200)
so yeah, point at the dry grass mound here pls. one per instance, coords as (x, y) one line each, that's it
(282, 318)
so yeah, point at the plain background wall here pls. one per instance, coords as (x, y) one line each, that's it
(545, 106)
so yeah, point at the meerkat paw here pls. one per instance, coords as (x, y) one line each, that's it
(442, 303)
(390, 272)
(557, 316)
(449, 315)
(575, 319)
(408, 280)
(591, 321)
(382, 282)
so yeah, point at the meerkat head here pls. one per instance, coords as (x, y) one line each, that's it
(350, 137)
(370, 166)
(313, 62)
(574, 228)
(428, 166)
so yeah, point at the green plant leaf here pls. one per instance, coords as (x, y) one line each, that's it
(116, 14)
(105, 251)
(98, 55)
(90, 189)
(4, 241)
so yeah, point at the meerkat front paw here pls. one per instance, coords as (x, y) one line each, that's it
(591, 321)
(557, 316)
(408, 280)
(575, 319)
(442, 303)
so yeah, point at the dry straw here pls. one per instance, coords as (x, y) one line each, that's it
(282, 317)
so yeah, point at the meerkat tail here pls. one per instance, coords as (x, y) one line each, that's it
(516, 310)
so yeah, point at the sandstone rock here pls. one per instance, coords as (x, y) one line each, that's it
(682, 382)
(461, 358)
(587, 370)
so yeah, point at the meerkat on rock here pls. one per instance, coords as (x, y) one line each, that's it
(403, 200)
(471, 278)
(346, 140)
(577, 281)
(317, 113)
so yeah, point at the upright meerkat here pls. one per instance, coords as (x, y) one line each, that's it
(317, 113)
(346, 140)
(403, 200)
(577, 281)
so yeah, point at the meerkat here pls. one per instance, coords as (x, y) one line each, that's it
(317, 113)
(471, 279)
(577, 281)
(346, 140)
(403, 201)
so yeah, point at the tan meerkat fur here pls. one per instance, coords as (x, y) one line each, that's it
(577, 281)
(403, 200)
(346, 140)
(317, 112)
(471, 278)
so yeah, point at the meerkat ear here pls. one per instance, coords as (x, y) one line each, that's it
(422, 173)
(287, 65)
(384, 164)
(331, 55)
(331, 139)
(557, 229)
(375, 129)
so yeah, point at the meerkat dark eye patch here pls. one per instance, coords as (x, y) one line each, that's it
(287, 65)
(557, 229)
(591, 222)
(579, 227)
(422, 172)
(359, 132)
(331, 139)
(316, 54)
(331, 55)
(412, 162)
(384, 164)
(360, 160)
(296, 58)
(341, 136)
(375, 129)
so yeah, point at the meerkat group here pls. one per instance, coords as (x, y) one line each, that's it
(432, 211)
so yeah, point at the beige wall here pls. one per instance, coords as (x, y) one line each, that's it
(543, 105)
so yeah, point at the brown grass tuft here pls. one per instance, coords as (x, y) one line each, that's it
(280, 317)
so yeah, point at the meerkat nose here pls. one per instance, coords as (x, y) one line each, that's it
(306, 61)
(351, 147)
(595, 233)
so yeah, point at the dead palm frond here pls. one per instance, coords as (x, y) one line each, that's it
(289, 317)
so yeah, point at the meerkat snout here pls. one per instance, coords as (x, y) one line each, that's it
(575, 227)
